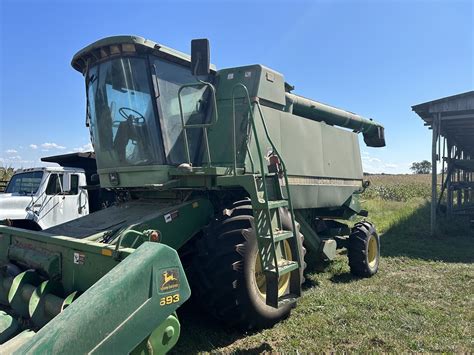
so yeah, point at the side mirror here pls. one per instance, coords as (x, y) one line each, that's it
(95, 179)
(200, 57)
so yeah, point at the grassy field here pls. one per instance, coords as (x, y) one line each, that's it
(422, 298)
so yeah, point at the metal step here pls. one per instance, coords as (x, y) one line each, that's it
(273, 204)
(272, 298)
(278, 203)
(279, 236)
(287, 299)
(284, 267)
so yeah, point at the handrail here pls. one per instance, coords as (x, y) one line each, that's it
(204, 126)
(285, 175)
(262, 170)
(254, 130)
(259, 151)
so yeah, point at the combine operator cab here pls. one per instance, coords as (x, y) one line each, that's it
(140, 96)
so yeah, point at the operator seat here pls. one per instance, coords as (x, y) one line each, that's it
(137, 133)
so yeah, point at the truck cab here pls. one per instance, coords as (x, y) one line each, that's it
(39, 198)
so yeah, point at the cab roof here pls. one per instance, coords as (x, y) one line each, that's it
(50, 168)
(126, 44)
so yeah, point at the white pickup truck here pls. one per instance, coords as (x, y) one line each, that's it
(40, 198)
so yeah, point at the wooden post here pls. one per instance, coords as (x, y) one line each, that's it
(449, 194)
(434, 175)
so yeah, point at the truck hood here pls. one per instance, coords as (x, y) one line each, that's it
(13, 206)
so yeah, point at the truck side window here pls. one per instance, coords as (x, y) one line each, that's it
(74, 185)
(54, 184)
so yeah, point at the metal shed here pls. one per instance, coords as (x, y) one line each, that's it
(451, 120)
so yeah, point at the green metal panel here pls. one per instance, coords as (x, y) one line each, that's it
(82, 262)
(320, 150)
(322, 196)
(260, 81)
(136, 176)
(118, 312)
(163, 215)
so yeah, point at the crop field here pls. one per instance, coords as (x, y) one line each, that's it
(421, 300)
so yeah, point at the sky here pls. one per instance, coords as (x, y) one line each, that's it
(374, 58)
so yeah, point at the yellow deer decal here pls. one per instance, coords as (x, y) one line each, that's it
(168, 278)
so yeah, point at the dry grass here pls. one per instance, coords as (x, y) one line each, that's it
(398, 187)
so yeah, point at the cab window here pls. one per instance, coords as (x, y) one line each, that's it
(195, 103)
(54, 184)
(74, 185)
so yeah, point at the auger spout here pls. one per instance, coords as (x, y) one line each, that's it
(373, 132)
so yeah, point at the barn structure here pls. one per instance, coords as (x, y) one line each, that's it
(451, 120)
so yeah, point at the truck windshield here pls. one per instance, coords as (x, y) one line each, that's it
(123, 121)
(25, 183)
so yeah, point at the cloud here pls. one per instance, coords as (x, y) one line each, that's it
(85, 148)
(52, 146)
(11, 151)
(16, 161)
(376, 165)
(370, 159)
(33, 146)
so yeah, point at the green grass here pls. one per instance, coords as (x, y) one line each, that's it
(420, 300)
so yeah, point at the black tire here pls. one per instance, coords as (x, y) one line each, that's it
(224, 271)
(364, 250)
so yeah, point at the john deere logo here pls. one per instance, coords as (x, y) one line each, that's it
(169, 280)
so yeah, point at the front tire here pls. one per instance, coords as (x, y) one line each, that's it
(364, 250)
(226, 271)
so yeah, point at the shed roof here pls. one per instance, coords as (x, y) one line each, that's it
(457, 118)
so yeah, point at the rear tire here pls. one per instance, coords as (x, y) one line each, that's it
(364, 250)
(224, 271)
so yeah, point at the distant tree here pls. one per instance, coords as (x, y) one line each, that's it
(6, 173)
(422, 167)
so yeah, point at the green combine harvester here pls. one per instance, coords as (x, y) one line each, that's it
(220, 174)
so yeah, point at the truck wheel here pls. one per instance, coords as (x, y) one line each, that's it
(228, 278)
(364, 250)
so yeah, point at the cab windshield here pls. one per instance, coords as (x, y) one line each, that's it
(25, 183)
(123, 112)
(122, 115)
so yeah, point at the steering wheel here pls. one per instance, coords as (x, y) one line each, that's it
(139, 119)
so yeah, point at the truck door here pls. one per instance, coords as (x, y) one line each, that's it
(51, 212)
(77, 197)
(60, 205)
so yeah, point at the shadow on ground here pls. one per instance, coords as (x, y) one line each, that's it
(344, 278)
(411, 238)
(200, 332)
